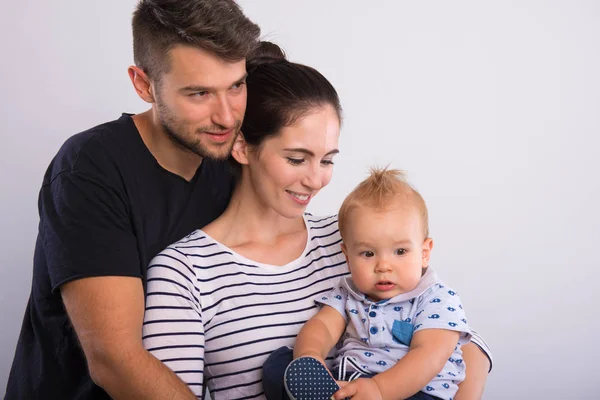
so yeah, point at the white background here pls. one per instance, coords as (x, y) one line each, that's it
(493, 108)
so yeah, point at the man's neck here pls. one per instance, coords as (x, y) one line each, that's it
(170, 156)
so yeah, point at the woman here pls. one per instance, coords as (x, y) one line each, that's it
(225, 297)
(244, 284)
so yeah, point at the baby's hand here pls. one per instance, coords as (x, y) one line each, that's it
(360, 389)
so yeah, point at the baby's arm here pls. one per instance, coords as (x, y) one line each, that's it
(429, 351)
(320, 333)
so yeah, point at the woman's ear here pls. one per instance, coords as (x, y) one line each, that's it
(239, 152)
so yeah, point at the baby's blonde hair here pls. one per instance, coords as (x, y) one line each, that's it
(382, 190)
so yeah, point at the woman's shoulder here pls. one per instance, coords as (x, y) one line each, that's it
(182, 252)
(321, 222)
(323, 229)
(176, 260)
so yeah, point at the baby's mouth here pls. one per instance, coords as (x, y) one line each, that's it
(385, 285)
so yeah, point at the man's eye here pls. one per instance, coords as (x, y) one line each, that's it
(400, 252)
(295, 161)
(238, 85)
(198, 94)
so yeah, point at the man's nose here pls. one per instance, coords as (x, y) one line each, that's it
(223, 113)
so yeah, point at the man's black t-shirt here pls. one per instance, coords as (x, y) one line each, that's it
(106, 208)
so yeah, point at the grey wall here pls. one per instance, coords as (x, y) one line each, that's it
(492, 108)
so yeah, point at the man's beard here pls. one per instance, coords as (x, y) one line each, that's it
(176, 132)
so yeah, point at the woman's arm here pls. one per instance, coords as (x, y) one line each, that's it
(478, 366)
(173, 330)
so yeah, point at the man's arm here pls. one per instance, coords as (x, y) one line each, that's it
(478, 366)
(107, 314)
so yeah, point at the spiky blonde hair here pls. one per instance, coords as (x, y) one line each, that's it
(382, 190)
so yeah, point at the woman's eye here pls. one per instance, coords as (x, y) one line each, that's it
(327, 162)
(295, 161)
(238, 85)
(400, 252)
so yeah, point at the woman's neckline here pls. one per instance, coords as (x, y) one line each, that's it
(293, 263)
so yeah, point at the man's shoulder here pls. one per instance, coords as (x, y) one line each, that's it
(96, 148)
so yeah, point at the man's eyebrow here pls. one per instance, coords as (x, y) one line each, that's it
(308, 152)
(195, 88)
(198, 88)
(241, 80)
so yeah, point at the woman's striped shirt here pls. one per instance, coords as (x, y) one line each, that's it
(214, 316)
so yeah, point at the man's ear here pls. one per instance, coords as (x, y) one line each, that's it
(426, 252)
(141, 83)
(240, 150)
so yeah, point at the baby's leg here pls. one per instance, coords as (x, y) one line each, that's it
(422, 396)
(273, 370)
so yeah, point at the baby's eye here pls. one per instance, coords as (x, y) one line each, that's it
(367, 254)
(400, 252)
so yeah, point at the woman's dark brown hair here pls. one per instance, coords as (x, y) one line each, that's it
(280, 92)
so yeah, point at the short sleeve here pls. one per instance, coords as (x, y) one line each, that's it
(173, 329)
(441, 308)
(85, 230)
(479, 342)
(336, 298)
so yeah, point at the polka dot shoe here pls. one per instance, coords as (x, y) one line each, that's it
(307, 379)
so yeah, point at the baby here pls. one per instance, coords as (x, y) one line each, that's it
(397, 327)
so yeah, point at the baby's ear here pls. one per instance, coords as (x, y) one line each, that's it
(240, 149)
(426, 252)
(345, 251)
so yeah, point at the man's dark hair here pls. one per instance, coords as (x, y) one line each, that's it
(218, 26)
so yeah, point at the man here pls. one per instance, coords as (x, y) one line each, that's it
(117, 194)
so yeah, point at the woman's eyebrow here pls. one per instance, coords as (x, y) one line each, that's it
(309, 152)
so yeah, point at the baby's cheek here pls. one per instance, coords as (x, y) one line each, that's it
(410, 281)
(362, 281)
